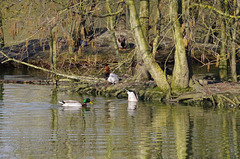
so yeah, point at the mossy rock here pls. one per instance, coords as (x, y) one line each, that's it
(157, 96)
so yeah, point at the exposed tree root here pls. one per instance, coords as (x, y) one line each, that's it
(220, 99)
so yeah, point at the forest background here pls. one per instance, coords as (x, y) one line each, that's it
(163, 36)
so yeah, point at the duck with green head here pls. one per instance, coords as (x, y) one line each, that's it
(75, 103)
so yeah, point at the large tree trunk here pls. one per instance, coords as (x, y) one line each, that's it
(142, 72)
(1, 32)
(144, 50)
(223, 51)
(181, 69)
(233, 55)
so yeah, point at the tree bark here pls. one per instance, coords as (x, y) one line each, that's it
(157, 30)
(187, 28)
(223, 51)
(53, 53)
(144, 17)
(1, 31)
(181, 69)
(142, 72)
(144, 50)
(121, 18)
(234, 35)
(111, 29)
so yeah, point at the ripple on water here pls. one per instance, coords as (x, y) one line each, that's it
(33, 126)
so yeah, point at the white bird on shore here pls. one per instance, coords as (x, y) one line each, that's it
(111, 77)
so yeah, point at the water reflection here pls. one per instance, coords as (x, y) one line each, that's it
(132, 105)
(1, 93)
(33, 125)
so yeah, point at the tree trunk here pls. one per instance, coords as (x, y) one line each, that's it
(233, 55)
(144, 17)
(185, 24)
(144, 50)
(1, 31)
(79, 33)
(187, 28)
(157, 30)
(142, 72)
(223, 51)
(53, 54)
(181, 69)
(121, 18)
(111, 29)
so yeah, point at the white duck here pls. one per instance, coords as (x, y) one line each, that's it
(111, 77)
(132, 96)
(132, 100)
(74, 103)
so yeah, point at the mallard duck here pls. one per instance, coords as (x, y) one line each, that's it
(132, 96)
(75, 103)
(111, 77)
(122, 42)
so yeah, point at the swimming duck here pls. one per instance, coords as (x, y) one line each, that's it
(132, 96)
(122, 42)
(111, 77)
(74, 103)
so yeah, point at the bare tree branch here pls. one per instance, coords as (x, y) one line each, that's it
(52, 72)
(215, 9)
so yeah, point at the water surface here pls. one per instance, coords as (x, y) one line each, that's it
(34, 125)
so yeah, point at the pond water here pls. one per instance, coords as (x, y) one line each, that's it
(34, 125)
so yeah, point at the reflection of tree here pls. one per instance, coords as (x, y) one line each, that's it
(144, 136)
(1, 91)
(159, 124)
(235, 133)
(181, 126)
(55, 119)
(185, 132)
(54, 99)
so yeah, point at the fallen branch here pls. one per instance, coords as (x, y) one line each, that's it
(52, 72)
